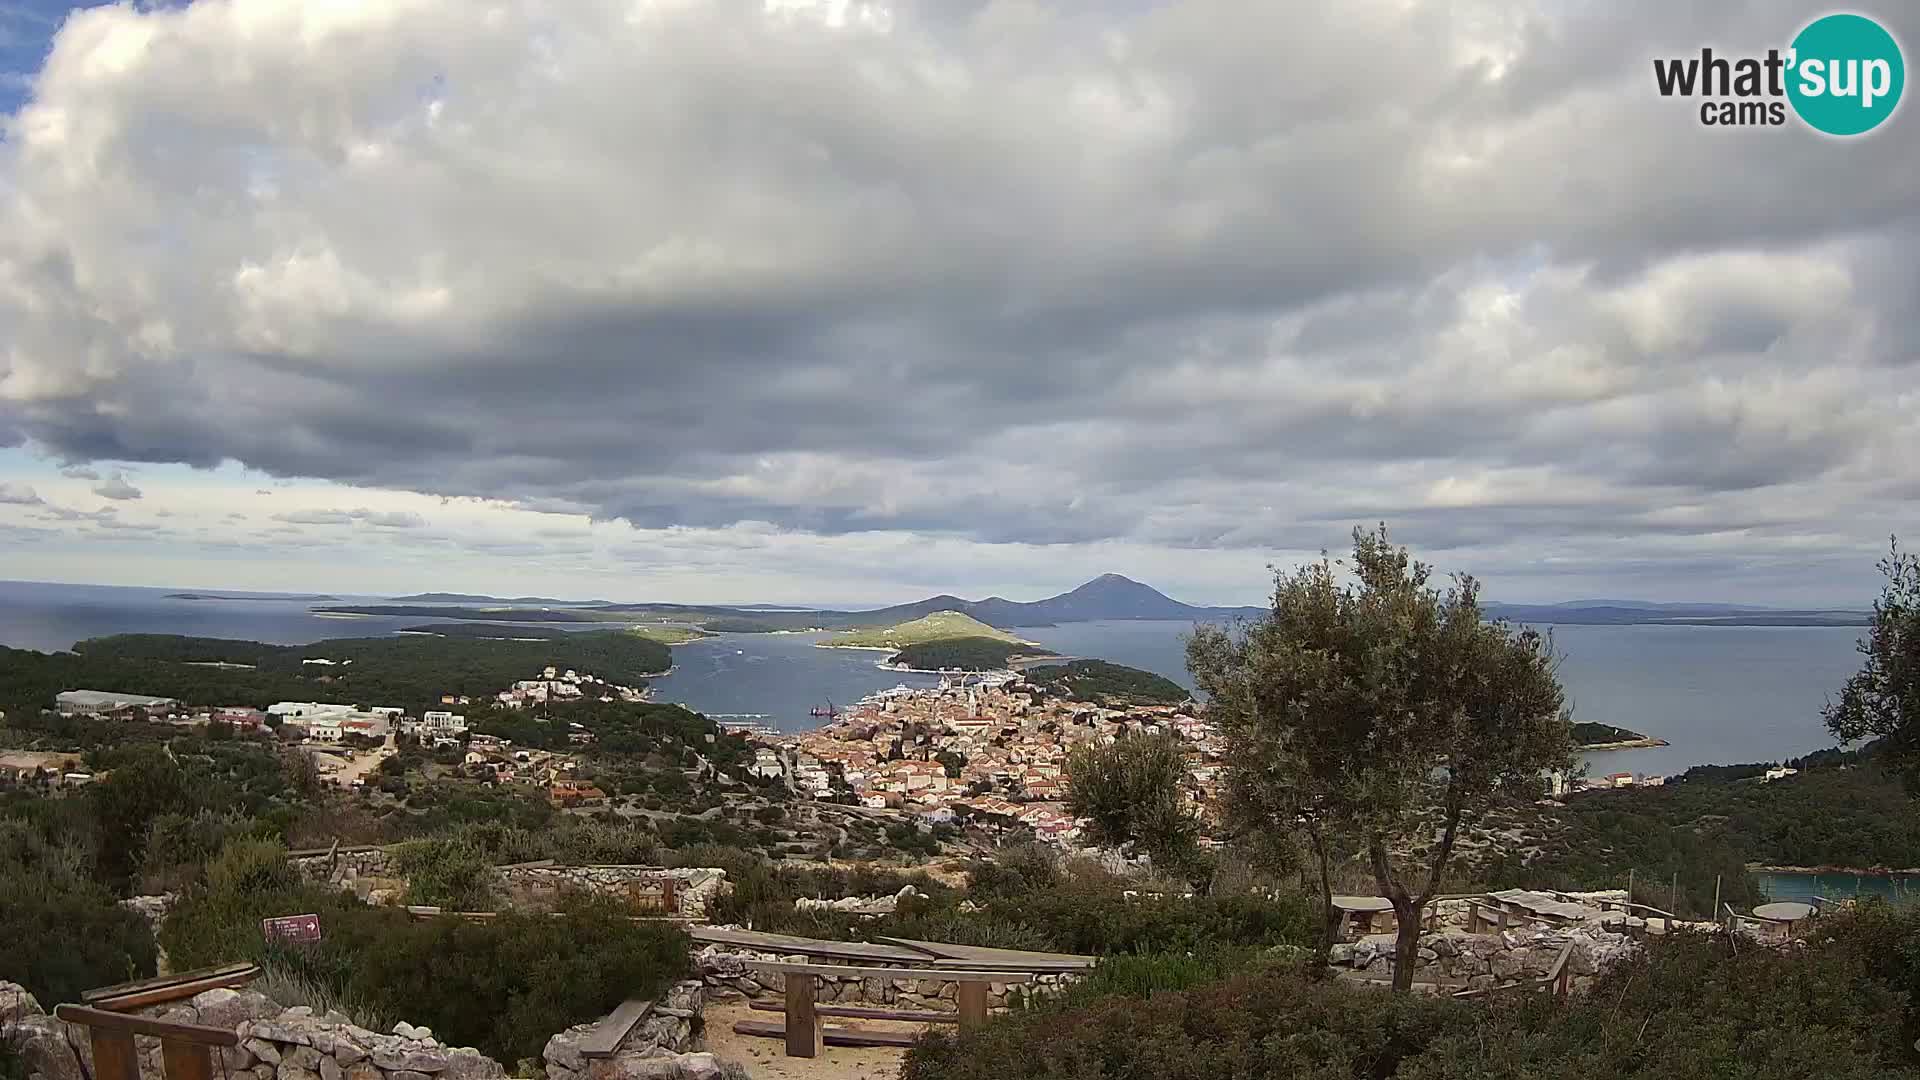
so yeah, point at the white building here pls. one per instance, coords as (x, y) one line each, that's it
(307, 710)
(438, 722)
(94, 702)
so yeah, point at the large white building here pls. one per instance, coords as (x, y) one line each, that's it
(94, 702)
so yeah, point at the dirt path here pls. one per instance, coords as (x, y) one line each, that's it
(765, 1059)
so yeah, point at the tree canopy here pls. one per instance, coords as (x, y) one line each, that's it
(1882, 699)
(1130, 793)
(1370, 705)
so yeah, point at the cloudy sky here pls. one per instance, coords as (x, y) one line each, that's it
(843, 301)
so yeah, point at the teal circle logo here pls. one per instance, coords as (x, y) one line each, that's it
(1846, 74)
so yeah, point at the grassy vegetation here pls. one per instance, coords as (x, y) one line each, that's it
(1711, 826)
(963, 654)
(1108, 684)
(410, 671)
(503, 985)
(939, 626)
(1688, 1008)
(668, 635)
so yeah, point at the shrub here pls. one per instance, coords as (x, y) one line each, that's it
(1688, 1007)
(503, 985)
(1252, 1026)
(454, 874)
(61, 932)
(508, 984)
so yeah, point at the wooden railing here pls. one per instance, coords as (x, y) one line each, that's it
(1558, 980)
(184, 1048)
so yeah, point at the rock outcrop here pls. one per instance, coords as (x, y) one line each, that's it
(657, 1048)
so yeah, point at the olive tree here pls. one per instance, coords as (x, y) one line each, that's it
(1373, 711)
(1882, 699)
(1129, 792)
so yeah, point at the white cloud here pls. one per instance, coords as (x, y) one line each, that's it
(1003, 279)
(12, 494)
(116, 487)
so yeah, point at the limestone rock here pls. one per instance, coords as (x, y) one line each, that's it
(301, 1057)
(363, 1070)
(237, 1058)
(392, 1059)
(263, 1049)
(347, 1050)
(406, 1074)
(41, 1042)
(295, 1072)
(467, 1063)
(231, 1008)
(331, 1070)
(16, 1003)
(563, 1048)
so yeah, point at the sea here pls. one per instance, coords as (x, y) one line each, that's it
(1717, 694)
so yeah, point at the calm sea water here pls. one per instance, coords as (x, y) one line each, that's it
(1717, 694)
(1804, 887)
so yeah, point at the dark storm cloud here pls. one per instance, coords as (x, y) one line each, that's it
(1197, 274)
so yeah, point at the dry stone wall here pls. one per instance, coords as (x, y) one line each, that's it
(727, 977)
(1456, 957)
(275, 1043)
(371, 874)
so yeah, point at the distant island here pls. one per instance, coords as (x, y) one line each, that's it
(1592, 737)
(303, 598)
(1107, 597)
(474, 598)
(937, 626)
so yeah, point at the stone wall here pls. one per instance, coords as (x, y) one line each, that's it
(1456, 957)
(694, 887)
(275, 1043)
(724, 970)
(369, 873)
(656, 1048)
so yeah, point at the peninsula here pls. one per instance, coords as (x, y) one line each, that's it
(1592, 738)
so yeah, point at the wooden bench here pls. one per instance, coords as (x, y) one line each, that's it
(183, 1047)
(803, 1033)
(608, 1034)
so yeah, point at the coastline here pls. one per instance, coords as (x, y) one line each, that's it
(1755, 868)
(1629, 744)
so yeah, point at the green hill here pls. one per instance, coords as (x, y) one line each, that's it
(1107, 684)
(939, 626)
(964, 654)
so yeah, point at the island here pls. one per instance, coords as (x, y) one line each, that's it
(964, 654)
(937, 626)
(1593, 737)
(302, 598)
(1113, 685)
(411, 671)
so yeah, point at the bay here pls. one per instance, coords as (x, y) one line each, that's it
(1717, 694)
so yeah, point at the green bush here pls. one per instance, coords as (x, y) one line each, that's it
(1688, 1007)
(453, 874)
(61, 932)
(503, 985)
(1268, 1025)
